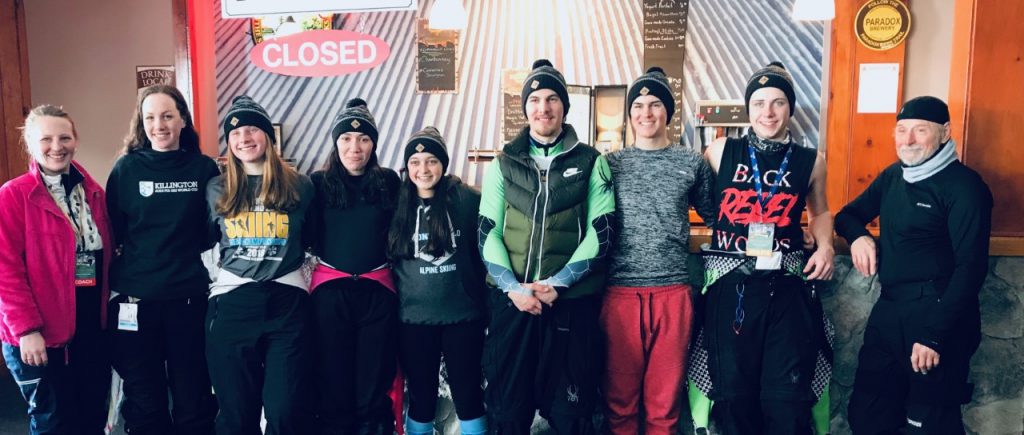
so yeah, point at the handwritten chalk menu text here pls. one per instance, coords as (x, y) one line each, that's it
(512, 117)
(664, 46)
(665, 26)
(436, 59)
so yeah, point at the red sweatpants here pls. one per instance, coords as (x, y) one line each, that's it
(648, 330)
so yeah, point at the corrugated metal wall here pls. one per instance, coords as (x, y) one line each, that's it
(593, 42)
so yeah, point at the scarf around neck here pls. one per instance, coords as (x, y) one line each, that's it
(765, 145)
(937, 162)
(69, 194)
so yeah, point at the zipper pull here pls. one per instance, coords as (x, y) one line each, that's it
(544, 175)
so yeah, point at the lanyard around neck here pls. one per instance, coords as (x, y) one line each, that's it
(763, 201)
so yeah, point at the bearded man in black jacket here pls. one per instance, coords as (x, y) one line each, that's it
(931, 257)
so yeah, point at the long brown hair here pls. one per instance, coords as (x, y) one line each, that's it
(136, 138)
(437, 224)
(279, 190)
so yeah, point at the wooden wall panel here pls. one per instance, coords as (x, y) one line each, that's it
(14, 87)
(991, 108)
(858, 145)
(960, 62)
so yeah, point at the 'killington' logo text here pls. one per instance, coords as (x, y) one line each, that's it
(148, 188)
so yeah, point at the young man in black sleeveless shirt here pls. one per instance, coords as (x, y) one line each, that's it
(763, 319)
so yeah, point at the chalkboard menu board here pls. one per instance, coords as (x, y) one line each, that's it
(436, 59)
(665, 28)
(513, 119)
(665, 23)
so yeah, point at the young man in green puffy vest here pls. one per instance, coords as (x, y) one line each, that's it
(545, 226)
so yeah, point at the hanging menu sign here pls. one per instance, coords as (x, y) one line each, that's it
(512, 117)
(664, 46)
(436, 59)
(257, 8)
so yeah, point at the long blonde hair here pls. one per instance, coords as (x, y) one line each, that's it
(279, 190)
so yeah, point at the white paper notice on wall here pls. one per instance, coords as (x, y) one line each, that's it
(257, 8)
(877, 88)
(579, 117)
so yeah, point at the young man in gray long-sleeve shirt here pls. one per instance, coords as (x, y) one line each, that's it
(655, 184)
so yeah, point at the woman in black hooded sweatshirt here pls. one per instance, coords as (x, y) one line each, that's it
(155, 198)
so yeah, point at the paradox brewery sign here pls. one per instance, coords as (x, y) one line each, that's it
(882, 24)
(320, 53)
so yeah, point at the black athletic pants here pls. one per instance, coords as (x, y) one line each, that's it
(258, 351)
(168, 352)
(763, 333)
(550, 362)
(356, 324)
(420, 349)
(887, 394)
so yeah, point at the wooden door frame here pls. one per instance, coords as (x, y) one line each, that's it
(15, 89)
(194, 67)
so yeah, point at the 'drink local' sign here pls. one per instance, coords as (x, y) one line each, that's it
(257, 8)
(320, 53)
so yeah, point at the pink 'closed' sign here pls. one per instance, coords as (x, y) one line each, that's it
(320, 53)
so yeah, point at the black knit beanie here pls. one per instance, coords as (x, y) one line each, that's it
(774, 75)
(926, 108)
(428, 140)
(354, 117)
(653, 82)
(545, 76)
(245, 111)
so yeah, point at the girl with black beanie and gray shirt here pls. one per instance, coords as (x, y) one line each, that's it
(355, 314)
(258, 337)
(432, 245)
(157, 207)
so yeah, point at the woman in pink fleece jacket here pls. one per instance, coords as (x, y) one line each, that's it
(54, 250)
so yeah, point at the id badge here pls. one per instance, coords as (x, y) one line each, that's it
(85, 269)
(760, 239)
(128, 317)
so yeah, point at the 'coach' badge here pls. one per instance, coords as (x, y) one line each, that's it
(419, 148)
(764, 79)
(535, 84)
(355, 123)
(234, 122)
(644, 90)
